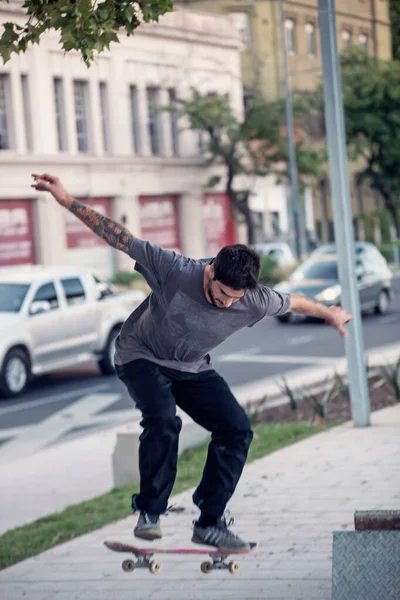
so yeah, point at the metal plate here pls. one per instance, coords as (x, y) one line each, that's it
(366, 565)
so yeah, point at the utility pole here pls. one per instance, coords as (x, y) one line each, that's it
(340, 192)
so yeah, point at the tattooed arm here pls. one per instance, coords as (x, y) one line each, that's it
(335, 316)
(114, 234)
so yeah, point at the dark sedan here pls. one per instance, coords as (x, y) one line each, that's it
(318, 278)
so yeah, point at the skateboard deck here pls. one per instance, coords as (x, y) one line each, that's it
(145, 559)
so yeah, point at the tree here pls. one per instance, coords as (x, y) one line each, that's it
(371, 96)
(253, 147)
(88, 26)
(395, 20)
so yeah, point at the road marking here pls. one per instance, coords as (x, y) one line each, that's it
(303, 339)
(279, 359)
(82, 413)
(55, 398)
(251, 351)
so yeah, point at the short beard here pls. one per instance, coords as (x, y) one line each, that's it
(210, 293)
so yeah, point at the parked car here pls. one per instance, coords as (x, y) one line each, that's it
(281, 252)
(318, 278)
(57, 317)
(360, 248)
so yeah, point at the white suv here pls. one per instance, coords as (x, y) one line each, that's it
(51, 318)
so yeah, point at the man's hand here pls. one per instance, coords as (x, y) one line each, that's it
(113, 233)
(338, 319)
(335, 316)
(50, 183)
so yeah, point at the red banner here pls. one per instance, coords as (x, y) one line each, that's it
(77, 233)
(218, 222)
(16, 233)
(159, 221)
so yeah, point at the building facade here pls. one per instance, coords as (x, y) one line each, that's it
(100, 130)
(360, 22)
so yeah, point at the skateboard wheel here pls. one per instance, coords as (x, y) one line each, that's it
(234, 567)
(206, 567)
(128, 565)
(155, 566)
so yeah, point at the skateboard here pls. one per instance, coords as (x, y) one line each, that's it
(145, 559)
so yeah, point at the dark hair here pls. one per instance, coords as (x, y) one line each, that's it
(237, 266)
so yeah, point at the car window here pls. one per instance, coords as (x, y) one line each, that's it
(317, 270)
(324, 250)
(47, 292)
(74, 291)
(276, 253)
(12, 296)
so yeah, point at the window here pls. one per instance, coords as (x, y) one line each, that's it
(74, 292)
(5, 112)
(331, 231)
(290, 29)
(135, 129)
(242, 25)
(364, 41)
(346, 37)
(276, 223)
(81, 97)
(26, 103)
(327, 269)
(248, 102)
(276, 253)
(318, 229)
(311, 40)
(104, 115)
(155, 131)
(60, 113)
(47, 293)
(12, 296)
(174, 123)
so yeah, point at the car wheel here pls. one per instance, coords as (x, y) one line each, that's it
(106, 364)
(382, 303)
(15, 374)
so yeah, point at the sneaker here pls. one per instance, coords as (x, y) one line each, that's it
(148, 527)
(219, 536)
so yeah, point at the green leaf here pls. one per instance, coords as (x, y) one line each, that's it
(81, 23)
(213, 181)
(129, 13)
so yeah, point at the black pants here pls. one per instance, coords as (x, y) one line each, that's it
(207, 399)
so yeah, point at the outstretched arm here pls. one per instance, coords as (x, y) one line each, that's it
(335, 316)
(113, 233)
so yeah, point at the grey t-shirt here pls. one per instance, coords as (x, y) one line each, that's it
(176, 326)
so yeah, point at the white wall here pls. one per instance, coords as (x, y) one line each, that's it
(185, 49)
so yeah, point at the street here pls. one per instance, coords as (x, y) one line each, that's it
(72, 402)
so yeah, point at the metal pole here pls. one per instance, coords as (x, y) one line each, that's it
(293, 175)
(340, 191)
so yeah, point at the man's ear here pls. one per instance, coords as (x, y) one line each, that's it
(212, 272)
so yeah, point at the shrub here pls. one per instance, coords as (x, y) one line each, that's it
(126, 277)
(269, 271)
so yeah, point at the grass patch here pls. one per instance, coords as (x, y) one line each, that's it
(32, 539)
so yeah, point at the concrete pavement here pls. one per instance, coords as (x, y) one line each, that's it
(290, 501)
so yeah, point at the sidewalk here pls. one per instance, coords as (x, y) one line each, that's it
(81, 469)
(290, 501)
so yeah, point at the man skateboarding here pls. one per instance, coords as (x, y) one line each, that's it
(162, 357)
